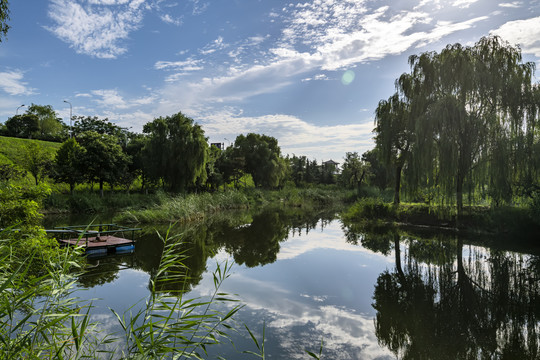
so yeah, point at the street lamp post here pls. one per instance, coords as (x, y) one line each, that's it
(17, 111)
(70, 117)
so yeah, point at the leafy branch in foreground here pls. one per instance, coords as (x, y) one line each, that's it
(170, 325)
(40, 317)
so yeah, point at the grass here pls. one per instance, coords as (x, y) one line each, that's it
(170, 209)
(85, 202)
(12, 149)
(42, 317)
(477, 219)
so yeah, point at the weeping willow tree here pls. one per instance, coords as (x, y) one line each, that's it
(474, 110)
(395, 133)
(176, 152)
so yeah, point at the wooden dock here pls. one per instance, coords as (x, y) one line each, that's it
(99, 239)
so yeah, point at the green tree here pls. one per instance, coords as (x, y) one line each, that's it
(134, 149)
(381, 177)
(50, 126)
(215, 177)
(481, 97)
(298, 165)
(176, 152)
(36, 161)
(4, 17)
(9, 172)
(104, 160)
(230, 166)
(83, 124)
(394, 136)
(68, 164)
(354, 171)
(262, 157)
(22, 126)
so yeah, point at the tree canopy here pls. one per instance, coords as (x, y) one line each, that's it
(177, 151)
(4, 17)
(262, 159)
(104, 159)
(463, 117)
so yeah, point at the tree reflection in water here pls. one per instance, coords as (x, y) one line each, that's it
(253, 239)
(447, 300)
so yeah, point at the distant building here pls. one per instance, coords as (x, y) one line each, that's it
(330, 163)
(220, 146)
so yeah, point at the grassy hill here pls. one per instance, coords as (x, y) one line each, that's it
(12, 150)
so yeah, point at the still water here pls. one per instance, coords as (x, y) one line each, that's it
(367, 292)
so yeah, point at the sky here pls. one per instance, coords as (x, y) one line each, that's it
(309, 73)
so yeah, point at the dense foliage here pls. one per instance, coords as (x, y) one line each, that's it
(464, 120)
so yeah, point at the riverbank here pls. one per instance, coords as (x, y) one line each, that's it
(475, 219)
(166, 208)
(197, 206)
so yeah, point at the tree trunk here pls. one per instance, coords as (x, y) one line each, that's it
(71, 188)
(359, 183)
(459, 194)
(398, 184)
(101, 188)
(397, 254)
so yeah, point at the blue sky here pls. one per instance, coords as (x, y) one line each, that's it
(309, 73)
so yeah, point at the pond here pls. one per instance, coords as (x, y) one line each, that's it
(368, 292)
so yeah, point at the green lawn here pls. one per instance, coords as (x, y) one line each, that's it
(12, 149)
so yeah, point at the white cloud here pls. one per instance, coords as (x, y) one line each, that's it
(86, 95)
(108, 2)
(295, 136)
(337, 36)
(12, 83)
(186, 65)
(96, 28)
(464, 3)
(515, 4)
(526, 33)
(216, 45)
(347, 33)
(169, 20)
(199, 7)
(110, 98)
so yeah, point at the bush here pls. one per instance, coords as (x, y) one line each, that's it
(534, 207)
(370, 209)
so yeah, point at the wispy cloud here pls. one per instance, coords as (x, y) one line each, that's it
(97, 27)
(170, 20)
(515, 4)
(214, 46)
(199, 6)
(320, 36)
(526, 33)
(317, 38)
(295, 135)
(12, 83)
(185, 65)
(464, 3)
(111, 99)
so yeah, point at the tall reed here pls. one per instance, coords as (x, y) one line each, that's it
(41, 317)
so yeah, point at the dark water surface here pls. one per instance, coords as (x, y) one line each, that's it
(367, 292)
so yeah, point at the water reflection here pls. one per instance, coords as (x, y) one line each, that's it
(251, 239)
(372, 291)
(448, 300)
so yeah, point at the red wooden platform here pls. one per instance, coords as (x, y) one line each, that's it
(92, 243)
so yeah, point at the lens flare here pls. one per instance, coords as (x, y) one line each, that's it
(347, 77)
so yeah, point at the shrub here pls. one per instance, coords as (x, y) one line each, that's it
(369, 209)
